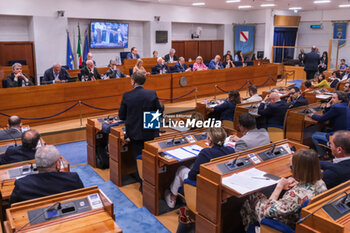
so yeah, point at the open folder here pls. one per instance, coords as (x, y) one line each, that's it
(183, 153)
(248, 181)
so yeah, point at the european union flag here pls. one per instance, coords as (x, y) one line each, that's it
(86, 47)
(244, 38)
(70, 58)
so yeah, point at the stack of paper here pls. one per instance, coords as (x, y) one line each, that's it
(183, 153)
(248, 181)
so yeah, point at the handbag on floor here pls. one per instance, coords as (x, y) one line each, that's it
(186, 225)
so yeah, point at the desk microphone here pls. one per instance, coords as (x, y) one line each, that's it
(8, 133)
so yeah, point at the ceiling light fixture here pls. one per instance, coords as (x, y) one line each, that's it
(268, 5)
(322, 1)
(198, 4)
(345, 5)
(232, 1)
(295, 8)
(244, 7)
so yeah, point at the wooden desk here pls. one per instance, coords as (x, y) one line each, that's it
(245, 108)
(218, 205)
(320, 221)
(282, 91)
(313, 97)
(147, 63)
(94, 220)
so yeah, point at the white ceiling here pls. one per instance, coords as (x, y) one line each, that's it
(280, 4)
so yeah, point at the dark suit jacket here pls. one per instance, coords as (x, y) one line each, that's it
(49, 78)
(212, 65)
(300, 101)
(115, 73)
(129, 56)
(227, 110)
(16, 154)
(311, 61)
(160, 67)
(335, 173)
(10, 134)
(44, 184)
(167, 58)
(181, 68)
(133, 104)
(86, 72)
(83, 64)
(343, 74)
(12, 83)
(274, 113)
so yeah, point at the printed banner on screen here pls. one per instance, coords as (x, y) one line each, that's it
(339, 32)
(244, 38)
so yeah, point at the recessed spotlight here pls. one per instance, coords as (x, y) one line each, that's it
(322, 1)
(268, 5)
(198, 4)
(232, 1)
(295, 8)
(345, 5)
(244, 7)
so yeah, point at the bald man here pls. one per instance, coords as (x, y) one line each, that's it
(215, 64)
(311, 61)
(48, 181)
(273, 109)
(89, 73)
(56, 74)
(24, 152)
(14, 129)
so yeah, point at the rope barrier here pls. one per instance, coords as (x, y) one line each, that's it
(98, 108)
(180, 96)
(237, 89)
(42, 118)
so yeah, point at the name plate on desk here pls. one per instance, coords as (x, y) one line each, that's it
(274, 153)
(234, 165)
(338, 208)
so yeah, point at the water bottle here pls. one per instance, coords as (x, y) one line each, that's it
(189, 60)
(205, 102)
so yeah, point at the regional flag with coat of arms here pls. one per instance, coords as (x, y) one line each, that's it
(244, 38)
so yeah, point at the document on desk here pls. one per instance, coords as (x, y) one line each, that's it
(183, 153)
(248, 181)
(324, 96)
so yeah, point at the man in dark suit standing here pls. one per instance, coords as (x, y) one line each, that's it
(56, 74)
(48, 181)
(274, 111)
(311, 61)
(89, 73)
(132, 108)
(338, 171)
(24, 152)
(14, 129)
(170, 57)
(295, 98)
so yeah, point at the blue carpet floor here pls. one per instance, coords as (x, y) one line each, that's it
(75, 152)
(297, 82)
(127, 215)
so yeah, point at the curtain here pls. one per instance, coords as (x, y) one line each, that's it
(284, 37)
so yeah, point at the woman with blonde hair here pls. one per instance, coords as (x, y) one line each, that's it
(139, 67)
(199, 64)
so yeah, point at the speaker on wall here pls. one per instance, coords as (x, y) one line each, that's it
(161, 37)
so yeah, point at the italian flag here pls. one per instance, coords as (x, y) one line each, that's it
(79, 48)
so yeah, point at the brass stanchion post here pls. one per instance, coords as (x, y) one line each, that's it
(216, 86)
(81, 115)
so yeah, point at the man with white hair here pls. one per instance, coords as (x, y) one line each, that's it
(161, 67)
(48, 181)
(90, 73)
(56, 74)
(215, 64)
(17, 78)
(275, 110)
(89, 56)
(171, 57)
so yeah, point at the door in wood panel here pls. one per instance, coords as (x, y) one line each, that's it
(205, 50)
(191, 50)
(179, 46)
(217, 48)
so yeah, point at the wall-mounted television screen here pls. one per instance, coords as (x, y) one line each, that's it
(108, 35)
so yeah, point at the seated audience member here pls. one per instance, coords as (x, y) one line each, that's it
(347, 89)
(113, 71)
(133, 54)
(228, 63)
(335, 79)
(338, 171)
(308, 86)
(252, 137)
(253, 93)
(215, 139)
(155, 54)
(346, 74)
(89, 56)
(229, 54)
(89, 73)
(239, 56)
(14, 129)
(274, 111)
(56, 74)
(337, 112)
(181, 66)
(323, 62)
(295, 98)
(342, 65)
(322, 82)
(139, 68)
(171, 57)
(197, 117)
(17, 78)
(226, 110)
(199, 64)
(24, 152)
(215, 64)
(48, 181)
(304, 184)
(161, 67)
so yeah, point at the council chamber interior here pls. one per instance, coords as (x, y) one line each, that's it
(174, 116)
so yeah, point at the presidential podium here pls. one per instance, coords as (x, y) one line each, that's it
(82, 210)
(218, 205)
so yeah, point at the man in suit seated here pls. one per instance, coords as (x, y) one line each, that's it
(133, 54)
(113, 71)
(89, 73)
(48, 181)
(24, 152)
(253, 93)
(181, 65)
(215, 63)
(346, 74)
(56, 74)
(88, 57)
(252, 137)
(14, 129)
(295, 98)
(17, 78)
(338, 171)
(338, 114)
(161, 67)
(171, 57)
(274, 111)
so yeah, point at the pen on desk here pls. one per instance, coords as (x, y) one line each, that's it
(195, 149)
(260, 178)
